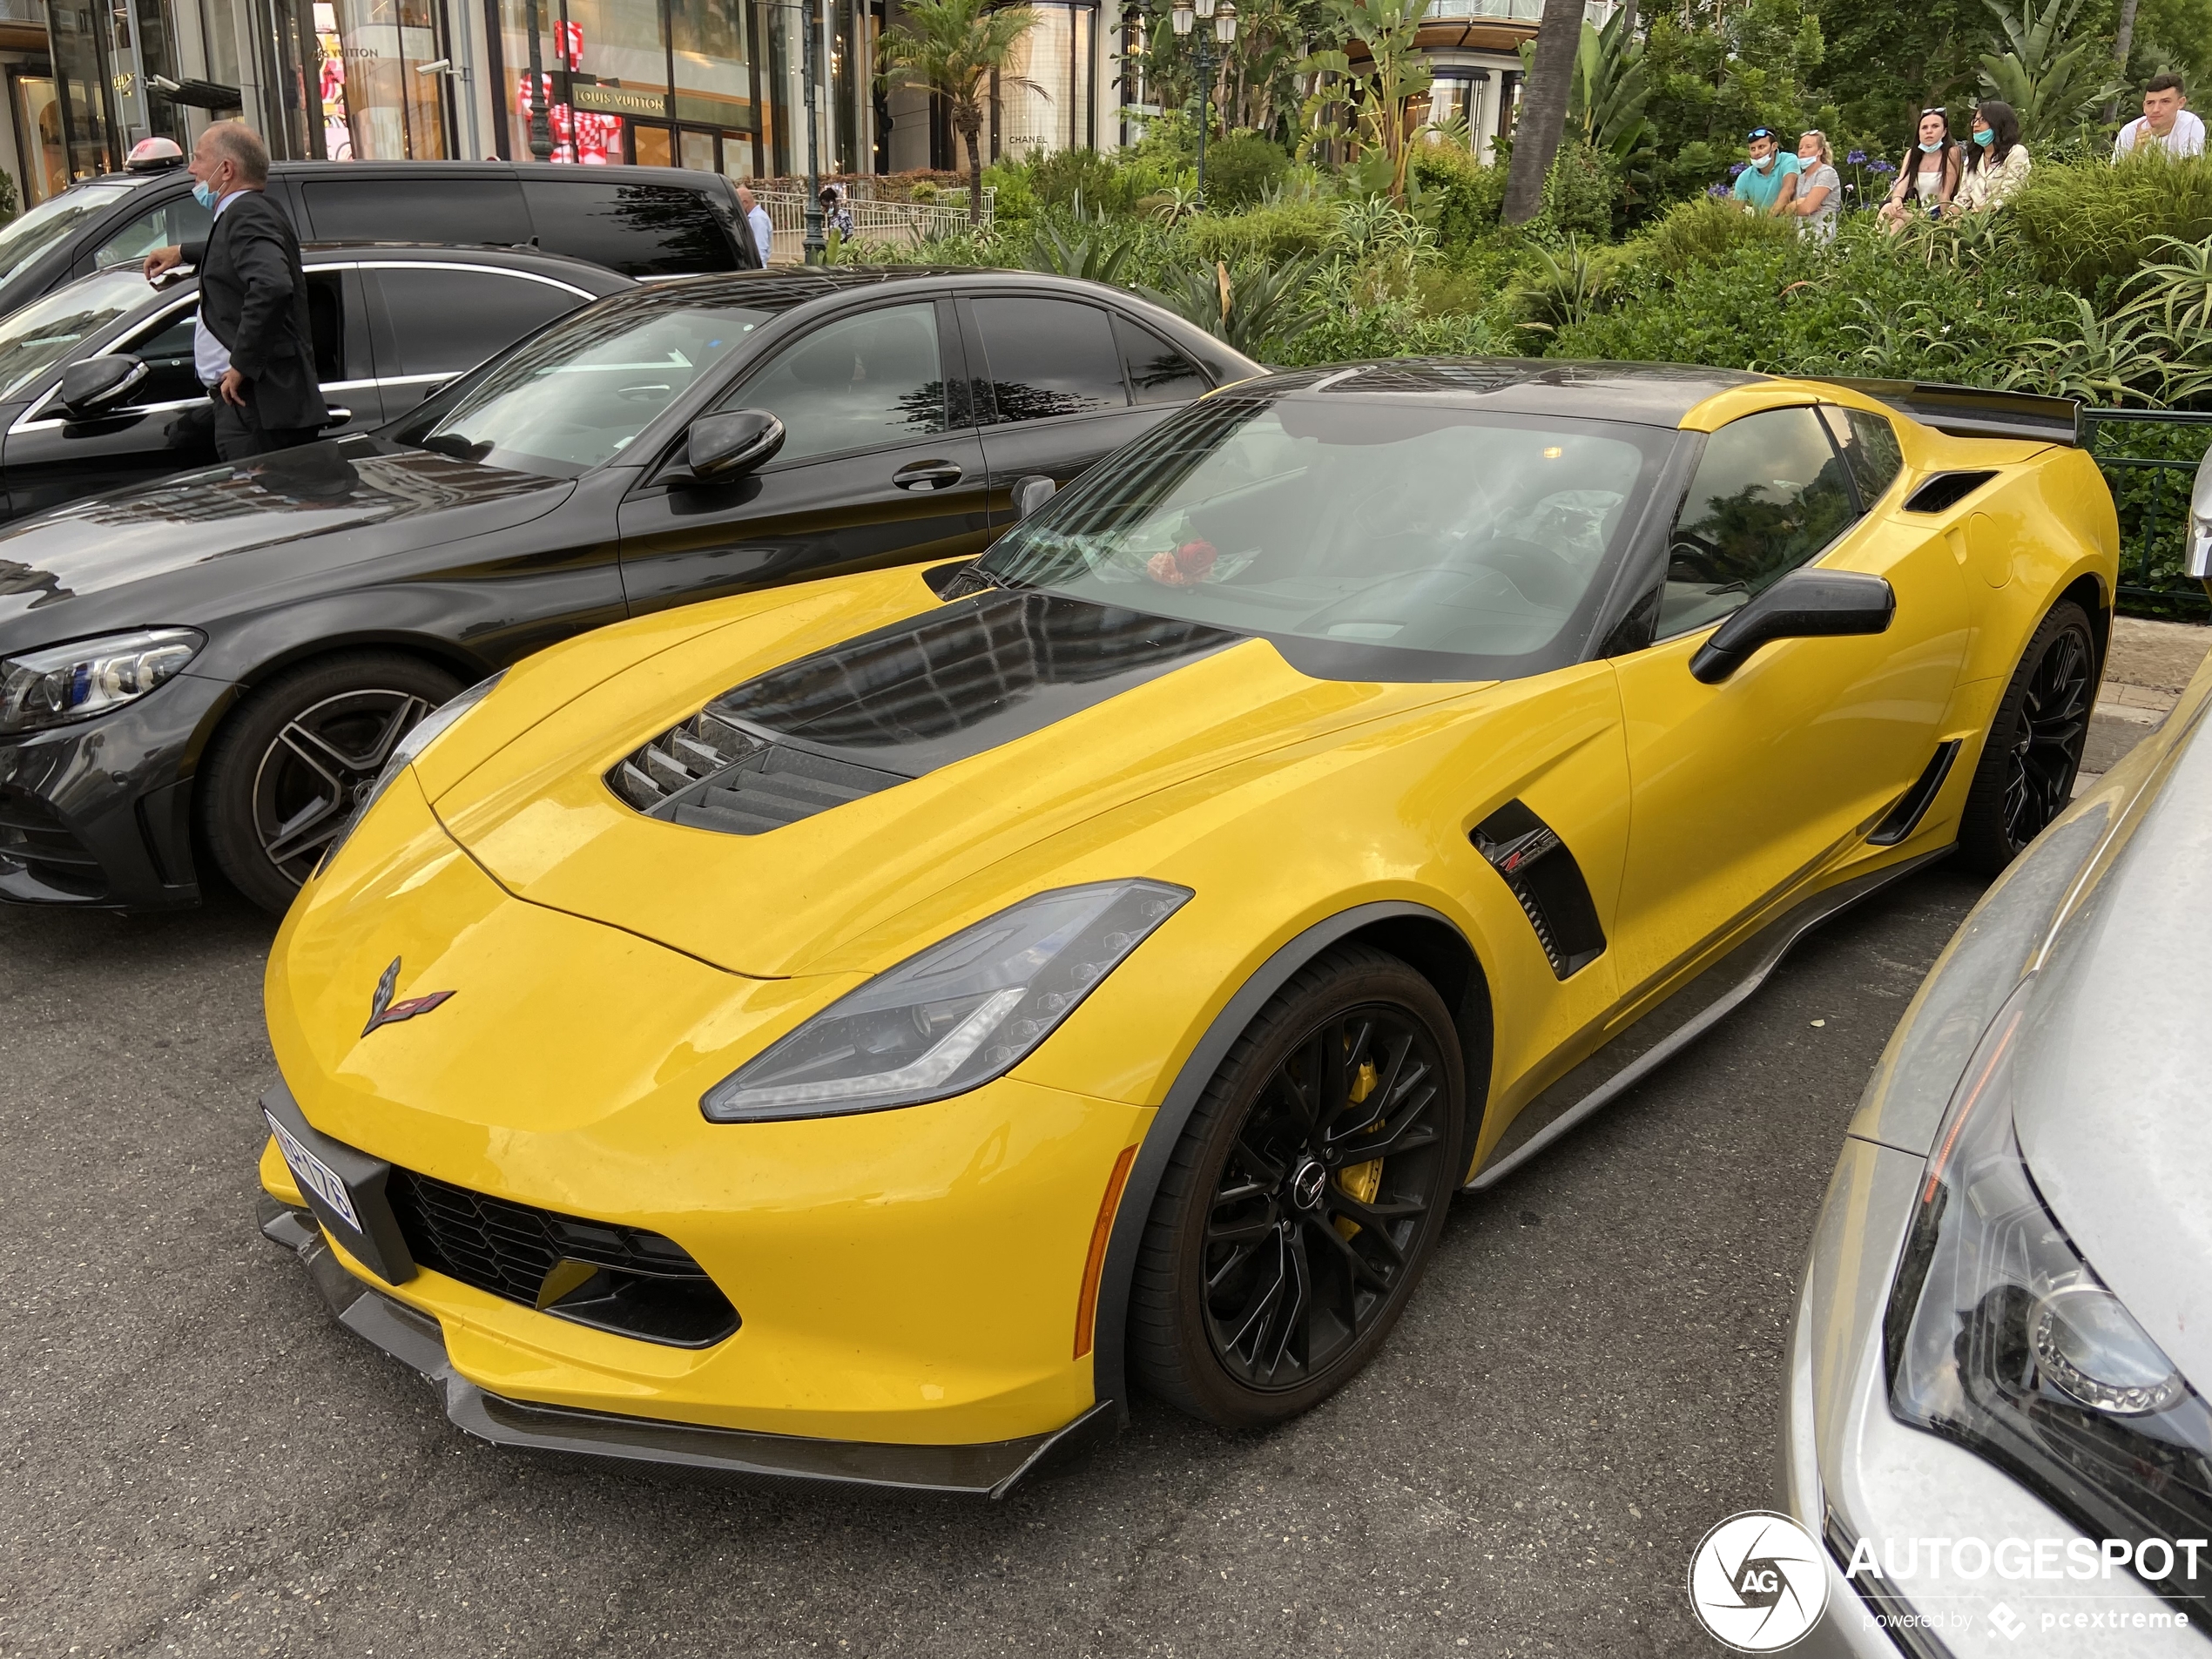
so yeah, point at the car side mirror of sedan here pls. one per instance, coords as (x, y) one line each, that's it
(99, 383)
(1031, 493)
(1805, 604)
(723, 447)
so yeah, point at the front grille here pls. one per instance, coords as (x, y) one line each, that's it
(624, 1279)
(32, 838)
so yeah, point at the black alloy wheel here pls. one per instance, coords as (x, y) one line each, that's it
(2033, 753)
(287, 770)
(1306, 1196)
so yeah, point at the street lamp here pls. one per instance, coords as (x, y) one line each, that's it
(541, 128)
(1183, 14)
(816, 243)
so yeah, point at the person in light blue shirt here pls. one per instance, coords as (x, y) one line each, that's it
(1769, 184)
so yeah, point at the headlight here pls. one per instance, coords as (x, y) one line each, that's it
(953, 1016)
(66, 683)
(425, 732)
(2002, 1338)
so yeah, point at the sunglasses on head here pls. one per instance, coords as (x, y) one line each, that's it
(1939, 110)
(1759, 132)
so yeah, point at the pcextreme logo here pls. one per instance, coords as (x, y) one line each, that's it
(1757, 1581)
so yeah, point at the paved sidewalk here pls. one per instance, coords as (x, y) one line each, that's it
(2149, 665)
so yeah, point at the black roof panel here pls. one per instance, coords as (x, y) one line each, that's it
(1647, 393)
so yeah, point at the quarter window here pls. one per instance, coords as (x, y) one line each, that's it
(1157, 373)
(1770, 495)
(1869, 443)
(858, 383)
(1048, 357)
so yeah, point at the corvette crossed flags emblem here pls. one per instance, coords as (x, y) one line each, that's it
(384, 1011)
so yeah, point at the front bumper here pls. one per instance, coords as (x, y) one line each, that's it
(415, 1339)
(1852, 1471)
(98, 815)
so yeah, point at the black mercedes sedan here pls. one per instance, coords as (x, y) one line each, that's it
(218, 665)
(392, 324)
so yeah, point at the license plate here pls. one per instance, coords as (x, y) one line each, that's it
(314, 1174)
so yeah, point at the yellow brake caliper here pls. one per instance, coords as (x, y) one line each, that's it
(1361, 1181)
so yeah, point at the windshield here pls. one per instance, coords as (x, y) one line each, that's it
(574, 397)
(52, 219)
(1380, 529)
(36, 338)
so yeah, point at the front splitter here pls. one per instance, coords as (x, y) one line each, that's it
(985, 1471)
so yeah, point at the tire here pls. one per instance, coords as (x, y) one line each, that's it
(2030, 757)
(281, 779)
(1254, 1207)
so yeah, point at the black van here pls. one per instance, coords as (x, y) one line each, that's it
(643, 222)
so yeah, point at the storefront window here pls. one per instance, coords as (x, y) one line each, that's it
(663, 84)
(38, 120)
(377, 105)
(1045, 96)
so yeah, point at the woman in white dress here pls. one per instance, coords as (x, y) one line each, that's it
(1928, 177)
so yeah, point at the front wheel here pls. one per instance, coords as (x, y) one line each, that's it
(1306, 1196)
(283, 776)
(2030, 758)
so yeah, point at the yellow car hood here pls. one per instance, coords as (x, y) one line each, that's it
(1069, 726)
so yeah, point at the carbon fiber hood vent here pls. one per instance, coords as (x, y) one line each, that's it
(898, 703)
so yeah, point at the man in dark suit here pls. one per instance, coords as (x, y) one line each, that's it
(252, 343)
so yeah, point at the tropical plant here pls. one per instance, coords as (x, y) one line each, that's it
(2090, 225)
(2176, 292)
(2109, 360)
(1097, 255)
(1398, 73)
(1258, 310)
(955, 49)
(1605, 103)
(1568, 285)
(1701, 232)
(2053, 77)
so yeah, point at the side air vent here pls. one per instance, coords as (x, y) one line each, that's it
(1913, 805)
(709, 773)
(1542, 874)
(1944, 491)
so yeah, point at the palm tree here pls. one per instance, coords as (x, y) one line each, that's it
(1537, 128)
(952, 48)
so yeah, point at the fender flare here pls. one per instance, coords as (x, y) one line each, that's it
(1109, 1378)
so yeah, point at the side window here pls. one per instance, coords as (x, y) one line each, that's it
(463, 210)
(640, 229)
(1048, 357)
(1869, 443)
(857, 383)
(181, 220)
(1157, 373)
(442, 321)
(167, 352)
(1770, 495)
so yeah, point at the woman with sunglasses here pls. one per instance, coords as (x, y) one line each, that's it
(1928, 177)
(1996, 161)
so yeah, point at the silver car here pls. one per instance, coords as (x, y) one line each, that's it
(1999, 1370)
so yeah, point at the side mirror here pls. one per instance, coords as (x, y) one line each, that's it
(99, 383)
(1031, 493)
(1805, 604)
(720, 448)
(2196, 560)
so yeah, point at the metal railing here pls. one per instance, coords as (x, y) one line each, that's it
(2141, 452)
(906, 224)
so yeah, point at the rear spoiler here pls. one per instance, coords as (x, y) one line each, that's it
(1969, 412)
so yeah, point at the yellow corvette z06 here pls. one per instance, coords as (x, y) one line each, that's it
(861, 1030)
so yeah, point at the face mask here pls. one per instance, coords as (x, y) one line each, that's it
(206, 195)
(1930, 149)
(1988, 137)
(1765, 163)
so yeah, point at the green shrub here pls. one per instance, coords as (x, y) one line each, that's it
(1398, 331)
(1013, 200)
(1459, 195)
(1698, 232)
(1581, 192)
(1240, 169)
(1056, 180)
(1265, 235)
(2088, 226)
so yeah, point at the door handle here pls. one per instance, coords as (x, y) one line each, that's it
(927, 475)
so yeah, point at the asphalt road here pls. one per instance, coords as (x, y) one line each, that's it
(196, 1461)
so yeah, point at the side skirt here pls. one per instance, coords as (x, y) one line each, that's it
(414, 1339)
(1674, 1024)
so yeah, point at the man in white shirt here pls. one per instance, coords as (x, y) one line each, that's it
(764, 233)
(2166, 121)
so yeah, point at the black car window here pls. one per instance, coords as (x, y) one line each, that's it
(440, 321)
(856, 383)
(1157, 373)
(484, 211)
(179, 221)
(1768, 496)
(1869, 443)
(640, 229)
(1047, 357)
(171, 376)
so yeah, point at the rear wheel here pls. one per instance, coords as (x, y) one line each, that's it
(283, 776)
(1306, 1196)
(2029, 760)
